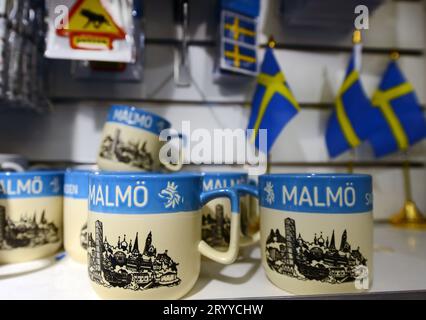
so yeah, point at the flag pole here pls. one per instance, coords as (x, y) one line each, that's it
(271, 45)
(356, 40)
(409, 216)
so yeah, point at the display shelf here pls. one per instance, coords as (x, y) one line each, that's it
(399, 267)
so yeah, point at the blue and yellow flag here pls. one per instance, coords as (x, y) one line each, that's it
(237, 57)
(405, 121)
(239, 29)
(353, 119)
(238, 43)
(273, 104)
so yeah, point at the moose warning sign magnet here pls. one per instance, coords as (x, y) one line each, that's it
(97, 30)
(91, 27)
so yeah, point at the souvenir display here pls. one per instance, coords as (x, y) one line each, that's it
(217, 213)
(123, 221)
(130, 141)
(30, 215)
(94, 30)
(144, 233)
(317, 232)
(76, 190)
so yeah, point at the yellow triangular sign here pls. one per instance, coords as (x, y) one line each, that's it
(91, 27)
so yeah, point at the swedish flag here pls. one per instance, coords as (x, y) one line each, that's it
(405, 121)
(239, 57)
(353, 119)
(239, 28)
(273, 104)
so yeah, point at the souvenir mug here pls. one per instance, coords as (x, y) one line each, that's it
(30, 215)
(217, 213)
(12, 162)
(144, 234)
(76, 189)
(317, 232)
(130, 141)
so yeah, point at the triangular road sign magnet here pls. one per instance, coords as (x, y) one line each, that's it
(91, 27)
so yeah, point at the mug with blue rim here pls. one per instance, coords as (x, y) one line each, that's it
(30, 215)
(144, 233)
(130, 141)
(217, 213)
(76, 190)
(317, 232)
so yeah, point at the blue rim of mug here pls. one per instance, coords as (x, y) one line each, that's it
(224, 173)
(144, 175)
(33, 173)
(316, 184)
(47, 190)
(189, 184)
(270, 176)
(78, 177)
(142, 111)
(70, 171)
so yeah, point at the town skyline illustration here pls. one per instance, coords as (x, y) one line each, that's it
(28, 231)
(320, 259)
(124, 265)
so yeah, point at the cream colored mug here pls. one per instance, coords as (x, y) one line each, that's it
(30, 215)
(130, 141)
(144, 234)
(317, 232)
(76, 189)
(217, 213)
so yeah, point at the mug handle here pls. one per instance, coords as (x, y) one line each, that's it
(11, 166)
(178, 166)
(243, 189)
(231, 254)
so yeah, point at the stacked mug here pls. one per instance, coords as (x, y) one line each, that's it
(30, 211)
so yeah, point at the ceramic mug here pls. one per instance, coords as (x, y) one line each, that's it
(317, 232)
(130, 141)
(13, 162)
(144, 234)
(30, 215)
(217, 213)
(76, 190)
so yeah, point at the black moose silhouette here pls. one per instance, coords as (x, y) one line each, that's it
(93, 18)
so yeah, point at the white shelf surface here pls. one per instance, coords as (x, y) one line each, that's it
(399, 265)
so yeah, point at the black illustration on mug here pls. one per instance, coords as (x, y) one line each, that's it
(317, 260)
(216, 230)
(83, 236)
(131, 153)
(27, 232)
(125, 266)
